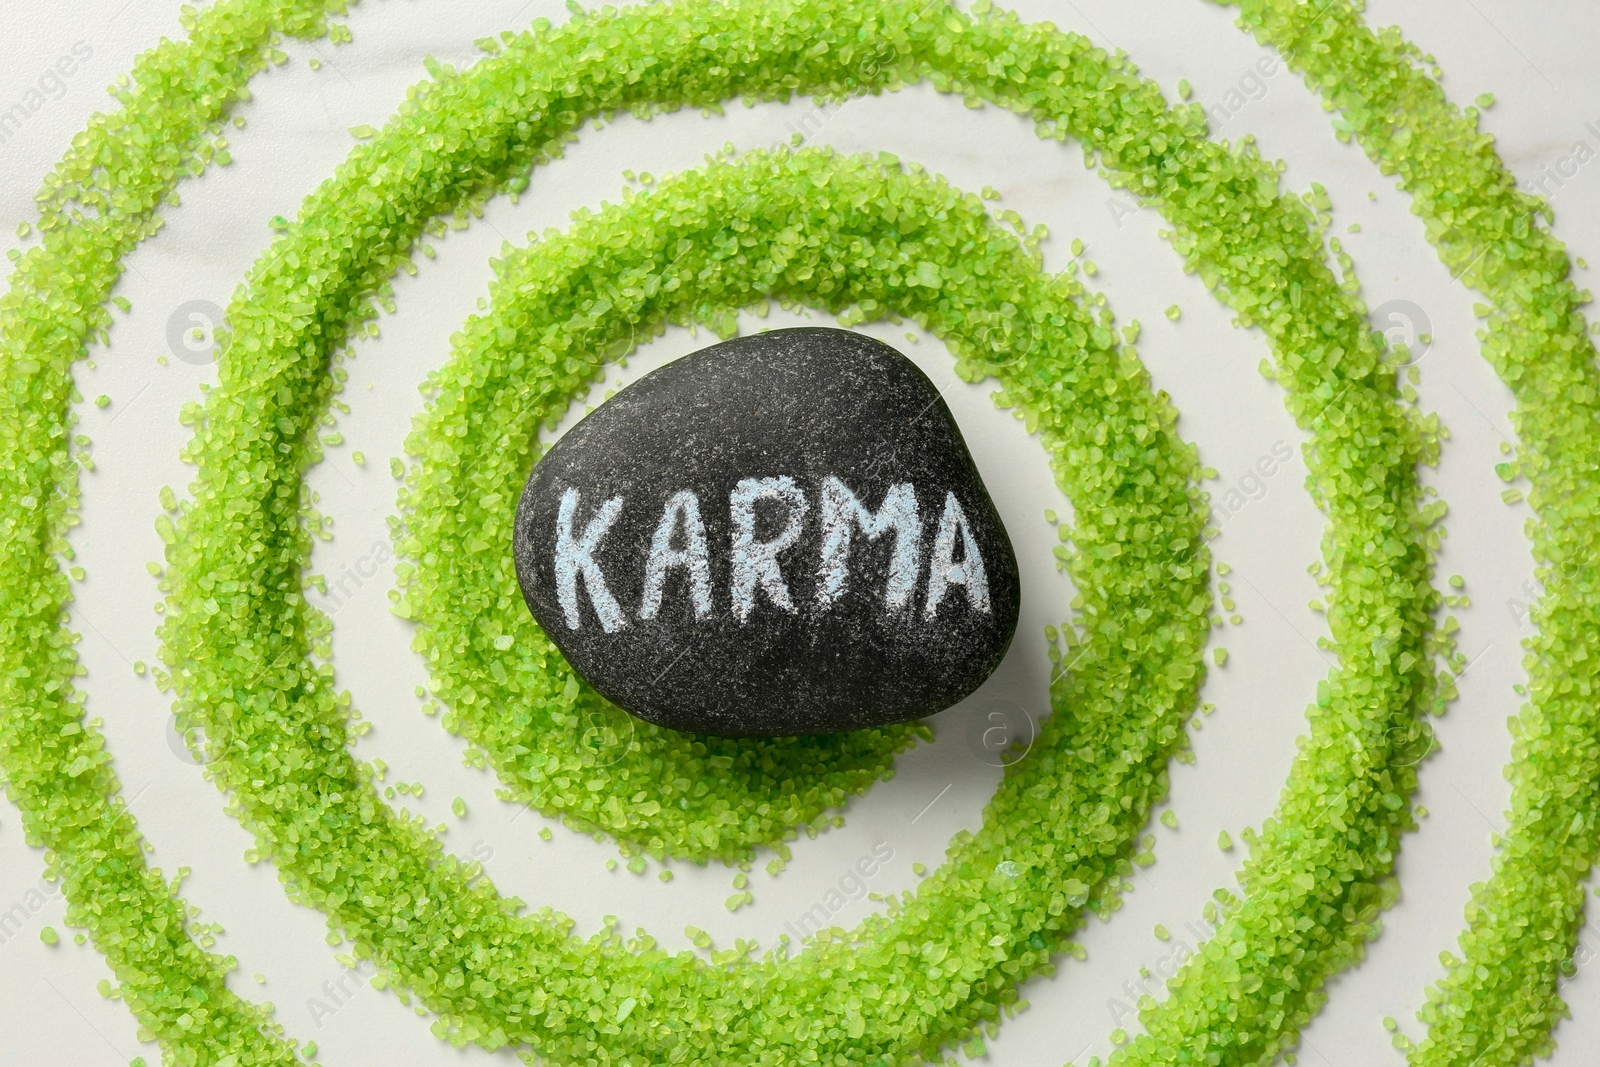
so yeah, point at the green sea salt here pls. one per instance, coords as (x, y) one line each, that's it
(1376, 609)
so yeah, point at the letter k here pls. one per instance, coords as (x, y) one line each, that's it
(575, 557)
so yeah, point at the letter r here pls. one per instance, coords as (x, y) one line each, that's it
(755, 563)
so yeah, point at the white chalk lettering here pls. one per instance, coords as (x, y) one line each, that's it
(841, 511)
(943, 571)
(680, 542)
(575, 557)
(755, 563)
(683, 509)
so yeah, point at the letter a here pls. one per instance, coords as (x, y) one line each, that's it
(1119, 210)
(684, 507)
(756, 562)
(840, 510)
(943, 571)
(319, 1010)
(574, 557)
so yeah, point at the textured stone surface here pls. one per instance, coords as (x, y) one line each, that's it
(771, 536)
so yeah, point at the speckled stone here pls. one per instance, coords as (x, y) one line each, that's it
(772, 536)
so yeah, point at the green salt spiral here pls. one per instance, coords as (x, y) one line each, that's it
(1267, 264)
(478, 968)
(808, 227)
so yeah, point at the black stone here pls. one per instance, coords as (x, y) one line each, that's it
(828, 410)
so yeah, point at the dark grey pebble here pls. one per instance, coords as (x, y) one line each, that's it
(782, 534)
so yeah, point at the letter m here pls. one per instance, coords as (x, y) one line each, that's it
(11, 122)
(12, 922)
(843, 513)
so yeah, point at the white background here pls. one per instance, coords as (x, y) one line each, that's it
(1538, 59)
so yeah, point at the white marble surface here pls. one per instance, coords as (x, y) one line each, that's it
(1538, 59)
